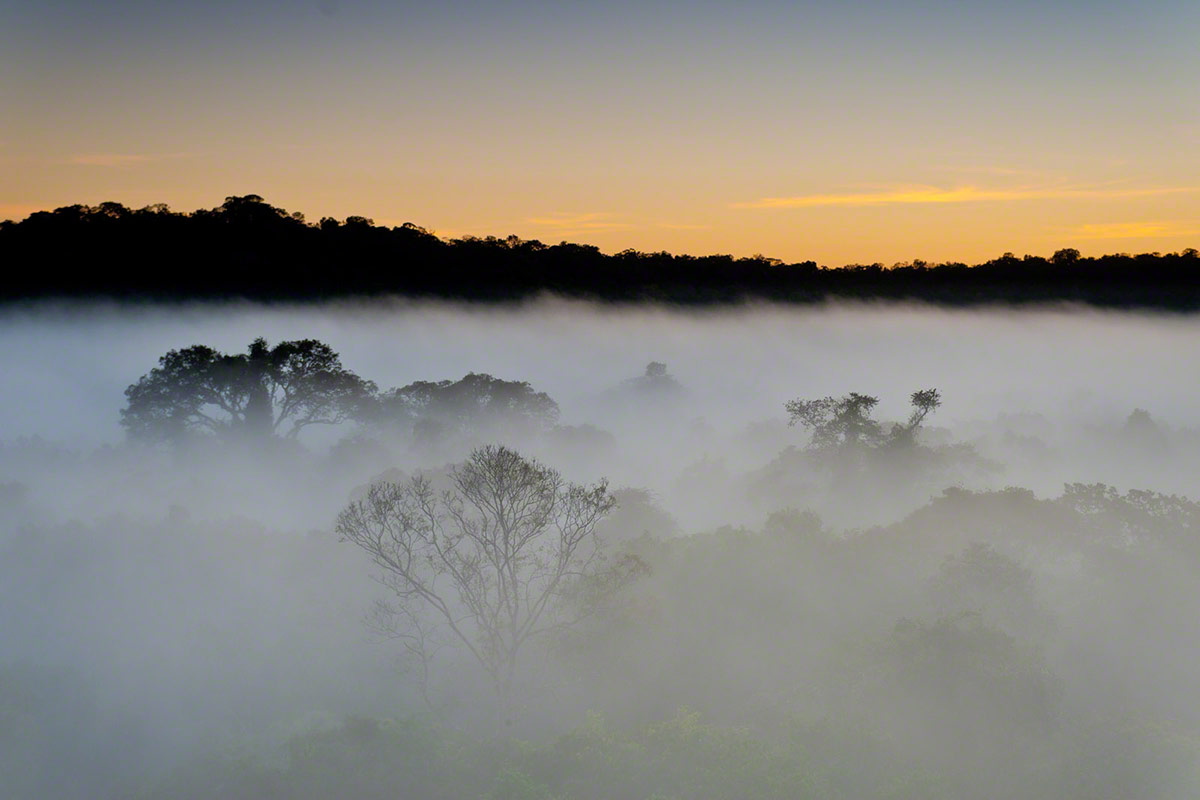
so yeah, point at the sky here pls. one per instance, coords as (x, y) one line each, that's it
(847, 132)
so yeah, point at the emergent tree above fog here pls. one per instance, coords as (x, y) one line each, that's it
(266, 391)
(478, 402)
(500, 558)
(846, 422)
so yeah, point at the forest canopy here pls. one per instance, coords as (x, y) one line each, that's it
(279, 391)
(248, 248)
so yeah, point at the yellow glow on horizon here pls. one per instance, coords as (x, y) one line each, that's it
(1134, 230)
(962, 194)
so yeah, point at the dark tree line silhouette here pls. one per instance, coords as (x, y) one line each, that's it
(266, 391)
(247, 248)
(278, 391)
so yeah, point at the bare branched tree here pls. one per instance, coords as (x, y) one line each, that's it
(495, 561)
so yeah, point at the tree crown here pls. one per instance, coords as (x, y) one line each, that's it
(266, 391)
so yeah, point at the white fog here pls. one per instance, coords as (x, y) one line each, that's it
(956, 619)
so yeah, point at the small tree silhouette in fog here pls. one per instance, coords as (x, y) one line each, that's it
(655, 384)
(478, 403)
(505, 555)
(266, 391)
(845, 423)
(837, 421)
(924, 402)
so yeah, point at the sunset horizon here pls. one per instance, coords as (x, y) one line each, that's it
(843, 133)
(1091, 241)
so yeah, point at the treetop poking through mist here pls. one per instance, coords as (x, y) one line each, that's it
(267, 253)
(845, 422)
(278, 391)
(265, 391)
(474, 401)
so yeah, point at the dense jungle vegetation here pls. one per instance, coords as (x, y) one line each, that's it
(247, 248)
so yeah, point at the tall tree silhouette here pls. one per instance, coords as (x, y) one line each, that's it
(264, 392)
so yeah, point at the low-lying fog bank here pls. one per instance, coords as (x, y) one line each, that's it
(980, 592)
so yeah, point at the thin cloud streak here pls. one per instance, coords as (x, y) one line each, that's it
(578, 222)
(1133, 230)
(919, 195)
(598, 221)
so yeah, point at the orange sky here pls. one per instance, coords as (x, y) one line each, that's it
(849, 132)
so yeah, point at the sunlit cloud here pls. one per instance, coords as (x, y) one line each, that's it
(1134, 230)
(594, 221)
(918, 195)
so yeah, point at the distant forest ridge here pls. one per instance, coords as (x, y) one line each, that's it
(247, 248)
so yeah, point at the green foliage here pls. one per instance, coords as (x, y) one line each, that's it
(361, 759)
(682, 757)
(952, 704)
(368, 758)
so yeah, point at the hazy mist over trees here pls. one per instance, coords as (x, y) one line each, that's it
(565, 550)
